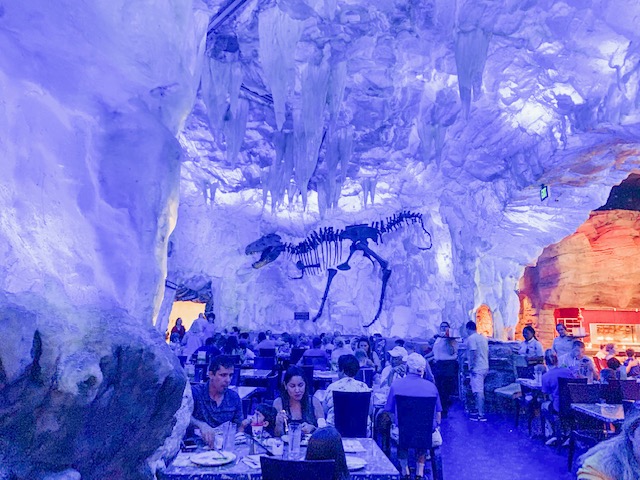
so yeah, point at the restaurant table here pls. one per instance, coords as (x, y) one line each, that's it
(378, 466)
(530, 383)
(324, 375)
(254, 373)
(606, 413)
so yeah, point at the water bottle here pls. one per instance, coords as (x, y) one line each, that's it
(295, 437)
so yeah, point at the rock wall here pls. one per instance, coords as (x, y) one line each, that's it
(595, 267)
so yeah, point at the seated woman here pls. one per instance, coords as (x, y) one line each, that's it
(295, 404)
(617, 458)
(365, 344)
(326, 444)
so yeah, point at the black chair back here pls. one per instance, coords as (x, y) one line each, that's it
(296, 354)
(308, 378)
(319, 362)
(267, 352)
(565, 395)
(525, 372)
(351, 410)
(584, 393)
(235, 359)
(264, 363)
(630, 389)
(277, 469)
(366, 374)
(611, 392)
(235, 380)
(415, 421)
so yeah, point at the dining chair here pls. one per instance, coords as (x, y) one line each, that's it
(630, 389)
(366, 374)
(296, 354)
(584, 393)
(414, 417)
(267, 352)
(611, 392)
(278, 469)
(351, 410)
(319, 362)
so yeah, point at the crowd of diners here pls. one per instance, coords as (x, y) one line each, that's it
(400, 369)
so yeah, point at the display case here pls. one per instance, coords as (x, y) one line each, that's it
(623, 336)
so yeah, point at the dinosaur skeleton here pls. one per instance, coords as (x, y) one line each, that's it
(322, 250)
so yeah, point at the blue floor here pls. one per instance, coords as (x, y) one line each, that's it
(495, 450)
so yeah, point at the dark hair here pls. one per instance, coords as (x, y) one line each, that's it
(613, 363)
(369, 351)
(529, 328)
(630, 352)
(577, 343)
(444, 322)
(399, 342)
(471, 326)
(209, 341)
(235, 329)
(316, 342)
(326, 444)
(218, 361)
(244, 335)
(230, 345)
(349, 365)
(262, 336)
(295, 371)
(269, 413)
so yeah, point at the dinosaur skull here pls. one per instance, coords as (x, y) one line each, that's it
(270, 246)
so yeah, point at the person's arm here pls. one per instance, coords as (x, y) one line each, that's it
(473, 358)
(207, 432)
(319, 412)
(280, 417)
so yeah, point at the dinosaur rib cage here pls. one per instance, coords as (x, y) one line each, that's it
(322, 248)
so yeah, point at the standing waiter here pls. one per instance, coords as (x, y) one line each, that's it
(445, 365)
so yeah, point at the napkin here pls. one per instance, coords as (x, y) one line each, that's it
(253, 461)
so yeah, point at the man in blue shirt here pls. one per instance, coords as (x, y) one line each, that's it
(413, 385)
(551, 386)
(213, 402)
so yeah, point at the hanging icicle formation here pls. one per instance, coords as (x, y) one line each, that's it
(336, 162)
(471, 54)
(276, 180)
(368, 189)
(279, 35)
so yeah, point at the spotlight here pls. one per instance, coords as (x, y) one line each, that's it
(544, 192)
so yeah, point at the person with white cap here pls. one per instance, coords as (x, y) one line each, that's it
(397, 367)
(414, 385)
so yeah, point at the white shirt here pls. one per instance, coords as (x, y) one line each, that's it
(445, 349)
(562, 345)
(389, 375)
(531, 348)
(346, 384)
(479, 344)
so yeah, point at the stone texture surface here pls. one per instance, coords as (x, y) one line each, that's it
(595, 267)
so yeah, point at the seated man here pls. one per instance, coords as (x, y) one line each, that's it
(551, 386)
(579, 364)
(213, 402)
(209, 348)
(396, 368)
(348, 367)
(264, 342)
(413, 385)
(316, 354)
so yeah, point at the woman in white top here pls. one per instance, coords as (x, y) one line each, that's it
(531, 349)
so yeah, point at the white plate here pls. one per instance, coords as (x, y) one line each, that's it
(212, 458)
(355, 463)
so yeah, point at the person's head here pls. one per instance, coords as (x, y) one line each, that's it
(262, 336)
(230, 344)
(606, 375)
(211, 317)
(613, 363)
(348, 365)
(244, 336)
(620, 455)
(416, 364)
(174, 338)
(286, 338)
(471, 327)
(326, 444)
(293, 383)
(561, 329)
(210, 341)
(266, 414)
(364, 344)
(316, 342)
(577, 350)
(631, 353)
(235, 330)
(610, 348)
(201, 315)
(550, 358)
(178, 322)
(397, 356)
(220, 372)
(361, 356)
(444, 327)
(338, 342)
(399, 342)
(528, 333)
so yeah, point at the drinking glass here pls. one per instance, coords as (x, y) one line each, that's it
(230, 429)
(256, 428)
(295, 437)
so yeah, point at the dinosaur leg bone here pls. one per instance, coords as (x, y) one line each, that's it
(386, 273)
(352, 249)
(332, 273)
